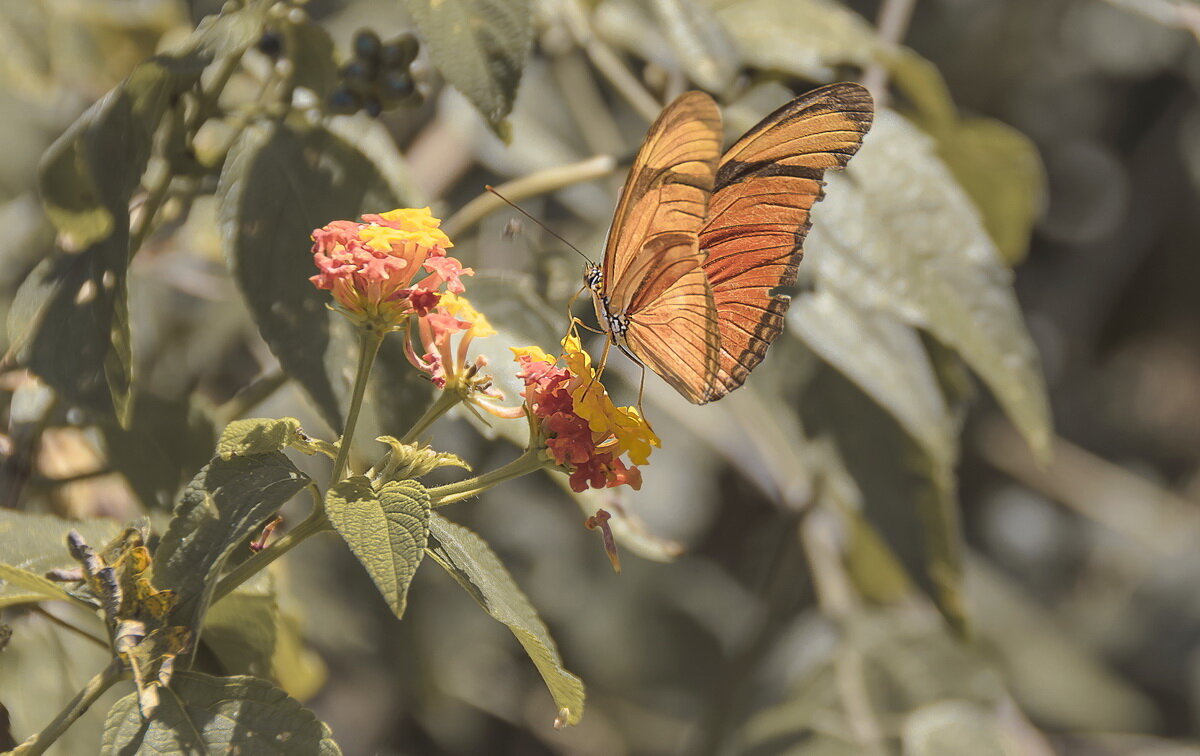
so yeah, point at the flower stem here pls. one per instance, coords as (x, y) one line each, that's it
(310, 526)
(369, 343)
(74, 710)
(445, 401)
(528, 462)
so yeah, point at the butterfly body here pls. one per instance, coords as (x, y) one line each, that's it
(702, 243)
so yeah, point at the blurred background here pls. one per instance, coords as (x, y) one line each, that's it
(793, 577)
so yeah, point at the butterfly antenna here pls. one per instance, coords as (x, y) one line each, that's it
(545, 228)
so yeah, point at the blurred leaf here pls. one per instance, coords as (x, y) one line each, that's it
(386, 529)
(949, 728)
(202, 714)
(166, 443)
(30, 587)
(89, 174)
(704, 47)
(38, 543)
(886, 360)
(1055, 677)
(481, 47)
(805, 38)
(907, 496)
(224, 505)
(310, 48)
(473, 564)
(251, 634)
(999, 168)
(877, 574)
(242, 627)
(376, 143)
(898, 235)
(41, 669)
(280, 181)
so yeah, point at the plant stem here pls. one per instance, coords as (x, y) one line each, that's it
(445, 401)
(74, 710)
(310, 526)
(528, 462)
(368, 346)
(68, 626)
(542, 182)
(892, 23)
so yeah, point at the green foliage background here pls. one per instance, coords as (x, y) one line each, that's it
(880, 544)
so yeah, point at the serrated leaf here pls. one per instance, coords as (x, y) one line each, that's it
(37, 544)
(386, 529)
(280, 181)
(225, 504)
(473, 564)
(700, 41)
(886, 360)
(806, 38)
(200, 714)
(480, 46)
(260, 435)
(897, 234)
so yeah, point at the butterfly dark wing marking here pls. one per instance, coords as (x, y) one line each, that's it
(654, 295)
(758, 217)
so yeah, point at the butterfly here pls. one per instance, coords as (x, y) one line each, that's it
(702, 243)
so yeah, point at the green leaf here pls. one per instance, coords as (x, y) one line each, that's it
(480, 46)
(805, 38)
(387, 530)
(166, 442)
(263, 435)
(280, 181)
(310, 48)
(473, 564)
(999, 168)
(700, 41)
(200, 714)
(30, 584)
(906, 496)
(897, 234)
(224, 505)
(36, 544)
(886, 360)
(948, 728)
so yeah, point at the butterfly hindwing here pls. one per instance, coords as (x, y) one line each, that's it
(758, 217)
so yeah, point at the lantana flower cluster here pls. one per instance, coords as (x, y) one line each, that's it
(388, 267)
(583, 430)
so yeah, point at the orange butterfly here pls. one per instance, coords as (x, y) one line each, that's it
(701, 242)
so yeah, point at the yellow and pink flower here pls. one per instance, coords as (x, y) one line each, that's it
(583, 430)
(388, 267)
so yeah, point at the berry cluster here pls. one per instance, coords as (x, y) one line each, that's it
(378, 76)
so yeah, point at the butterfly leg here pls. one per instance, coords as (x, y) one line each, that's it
(600, 365)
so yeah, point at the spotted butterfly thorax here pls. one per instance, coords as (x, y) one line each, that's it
(702, 243)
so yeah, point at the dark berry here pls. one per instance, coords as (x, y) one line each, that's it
(343, 101)
(400, 52)
(270, 43)
(372, 106)
(397, 85)
(367, 46)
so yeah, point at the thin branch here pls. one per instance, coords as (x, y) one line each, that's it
(96, 687)
(892, 23)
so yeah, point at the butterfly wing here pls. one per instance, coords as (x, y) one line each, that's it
(758, 217)
(651, 267)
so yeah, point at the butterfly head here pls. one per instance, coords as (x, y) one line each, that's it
(593, 277)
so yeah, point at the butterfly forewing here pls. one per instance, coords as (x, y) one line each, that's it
(758, 217)
(664, 200)
(652, 275)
